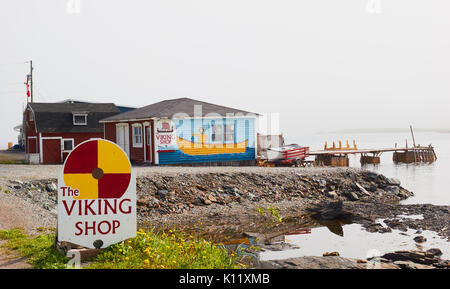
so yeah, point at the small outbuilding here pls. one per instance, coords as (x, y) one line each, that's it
(52, 130)
(185, 131)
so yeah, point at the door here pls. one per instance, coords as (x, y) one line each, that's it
(51, 151)
(123, 138)
(32, 145)
(148, 144)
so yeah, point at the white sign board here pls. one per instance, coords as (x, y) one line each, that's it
(165, 135)
(96, 196)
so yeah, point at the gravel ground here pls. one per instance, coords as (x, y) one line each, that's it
(18, 212)
(35, 172)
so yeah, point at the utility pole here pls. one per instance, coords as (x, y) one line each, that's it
(31, 81)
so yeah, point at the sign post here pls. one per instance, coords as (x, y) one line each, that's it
(96, 196)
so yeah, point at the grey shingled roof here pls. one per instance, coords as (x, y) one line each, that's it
(58, 117)
(168, 108)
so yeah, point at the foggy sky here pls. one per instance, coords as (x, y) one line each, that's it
(322, 65)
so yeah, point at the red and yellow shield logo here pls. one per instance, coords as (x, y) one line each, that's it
(97, 169)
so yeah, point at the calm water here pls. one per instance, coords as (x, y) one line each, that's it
(355, 242)
(429, 182)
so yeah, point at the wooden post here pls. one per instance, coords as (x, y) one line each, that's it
(414, 143)
(412, 134)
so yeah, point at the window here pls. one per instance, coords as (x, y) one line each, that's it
(229, 132)
(148, 134)
(137, 135)
(30, 115)
(216, 135)
(67, 144)
(80, 119)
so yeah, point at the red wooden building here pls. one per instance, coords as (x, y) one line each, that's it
(52, 130)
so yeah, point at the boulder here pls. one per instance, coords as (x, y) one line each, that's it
(411, 265)
(162, 194)
(362, 189)
(435, 251)
(372, 175)
(312, 262)
(332, 194)
(51, 187)
(212, 198)
(327, 211)
(392, 189)
(377, 227)
(326, 254)
(322, 183)
(396, 224)
(393, 182)
(420, 257)
(420, 239)
(352, 196)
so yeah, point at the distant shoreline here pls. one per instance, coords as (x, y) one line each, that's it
(383, 130)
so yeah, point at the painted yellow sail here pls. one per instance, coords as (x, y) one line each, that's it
(191, 148)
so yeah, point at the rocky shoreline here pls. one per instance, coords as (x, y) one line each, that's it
(415, 259)
(226, 205)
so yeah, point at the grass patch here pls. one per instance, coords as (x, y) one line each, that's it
(169, 249)
(38, 249)
(12, 158)
(270, 212)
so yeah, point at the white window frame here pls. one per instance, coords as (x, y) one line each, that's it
(80, 114)
(133, 133)
(226, 140)
(68, 139)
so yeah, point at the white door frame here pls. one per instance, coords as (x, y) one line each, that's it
(126, 137)
(147, 158)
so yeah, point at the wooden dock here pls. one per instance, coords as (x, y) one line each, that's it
(339, 157)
